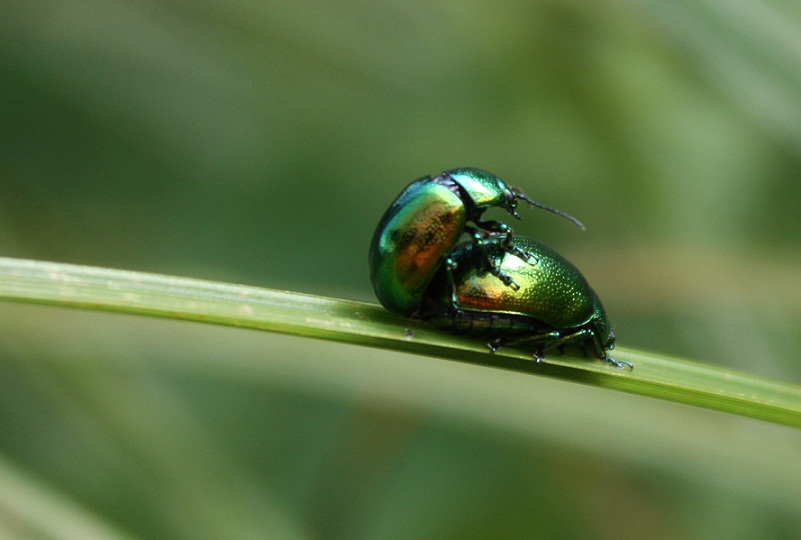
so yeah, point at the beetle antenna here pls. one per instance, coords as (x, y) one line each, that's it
(574, 221)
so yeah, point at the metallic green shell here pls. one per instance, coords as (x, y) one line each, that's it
(422, 227)
(484, 188)
(413, 238)
(551, 290)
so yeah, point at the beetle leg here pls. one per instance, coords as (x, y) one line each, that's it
(544, 342)
(554, 340)
(495, 227)
(522, 254)
(580, 337)
(559, 341)
(478, 240)
(601, 353)
(509, 282)
(499, 228)
(618, 363)
(496, 344)
(450, 266)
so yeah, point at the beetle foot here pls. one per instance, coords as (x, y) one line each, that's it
(522, 254)
(496, 344)
(512, 284)
(509, 282)
(618, 363)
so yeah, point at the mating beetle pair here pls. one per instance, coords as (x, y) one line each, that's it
(512, 290)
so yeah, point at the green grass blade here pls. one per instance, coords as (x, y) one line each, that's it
(367, 324)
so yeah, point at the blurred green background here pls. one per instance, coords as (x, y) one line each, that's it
(259, 142)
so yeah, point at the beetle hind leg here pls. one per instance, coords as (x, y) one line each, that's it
(543, 343)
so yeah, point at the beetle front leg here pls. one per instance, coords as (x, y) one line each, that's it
(492, 268)
(617, 363)
(601, 354)
(556, 341)
(498, 228)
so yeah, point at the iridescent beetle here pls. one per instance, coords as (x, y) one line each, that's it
(554, 306)
(421, 228)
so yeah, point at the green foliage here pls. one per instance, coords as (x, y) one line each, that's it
(366, 324)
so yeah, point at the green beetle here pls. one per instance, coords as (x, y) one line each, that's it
(553, 308)
(425, 223)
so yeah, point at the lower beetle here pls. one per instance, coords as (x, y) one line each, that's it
(425, 223)
(553, 308)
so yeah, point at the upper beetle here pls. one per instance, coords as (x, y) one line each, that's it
(424, 224)
(553, 307)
